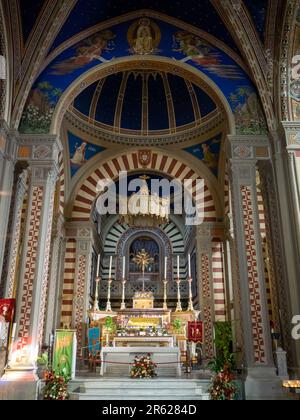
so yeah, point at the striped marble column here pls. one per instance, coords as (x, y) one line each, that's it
(245, 151)
(206, 288)
(77, 278)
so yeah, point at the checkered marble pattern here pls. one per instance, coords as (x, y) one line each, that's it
(45, 273)
(30, 265)
(254, 288)
(206, 292)
(80, 293)
(18, 228)
(207, 310)
(209, 351)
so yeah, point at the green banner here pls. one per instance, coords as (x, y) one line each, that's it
(63, 360)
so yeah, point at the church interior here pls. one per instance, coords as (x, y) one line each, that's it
(149, 199)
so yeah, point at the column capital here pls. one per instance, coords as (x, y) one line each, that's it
(292, 133)
(246, 147)
(39, 147)
(8, 142)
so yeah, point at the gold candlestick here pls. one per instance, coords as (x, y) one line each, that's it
(165, 307)
(191, 306)
(96, 300)
(108, 305)
(123, 304)
(179, 307)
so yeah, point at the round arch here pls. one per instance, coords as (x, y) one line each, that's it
(81, 200)
(140, 63)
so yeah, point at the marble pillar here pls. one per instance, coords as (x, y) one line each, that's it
(287, 176)
(245, 152)
(8, 149)
(41, 154)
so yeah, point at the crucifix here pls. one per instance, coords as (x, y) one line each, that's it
(143, 260)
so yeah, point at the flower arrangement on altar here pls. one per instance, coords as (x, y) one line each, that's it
(56, 386)
(143, 367)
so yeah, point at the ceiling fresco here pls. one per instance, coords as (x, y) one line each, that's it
(201, 14)
(29, 11)
(80, 152)
(146, 103)
(149, 37)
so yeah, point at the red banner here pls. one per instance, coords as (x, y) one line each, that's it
(7, 308)
(196, 332)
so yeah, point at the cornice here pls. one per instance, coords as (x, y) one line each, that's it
(216, 122)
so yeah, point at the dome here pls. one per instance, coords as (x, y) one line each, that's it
(144, 103)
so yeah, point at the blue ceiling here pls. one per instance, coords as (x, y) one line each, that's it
(198, 13)
(29, 10)
(87, 13)
(258, 9)
(131, 114)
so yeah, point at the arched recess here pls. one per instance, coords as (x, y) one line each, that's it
(140, 63)
(81, 199)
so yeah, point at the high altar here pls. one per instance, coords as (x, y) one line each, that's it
(143, 329)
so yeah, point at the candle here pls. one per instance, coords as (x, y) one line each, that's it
(110, 268)
(190, 268)
(166, 264)
(98, 266)
(124, 264)
(178, 267)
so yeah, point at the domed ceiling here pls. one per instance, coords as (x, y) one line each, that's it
(144, 102)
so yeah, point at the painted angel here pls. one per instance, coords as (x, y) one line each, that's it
(87, 51)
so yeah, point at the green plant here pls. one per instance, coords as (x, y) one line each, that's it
(223, 342)
(43, 360)
(110, 325)
(177, 324)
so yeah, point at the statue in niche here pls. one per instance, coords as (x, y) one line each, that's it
(144, 39)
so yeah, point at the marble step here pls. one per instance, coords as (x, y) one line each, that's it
(129, 389)
(83, 397)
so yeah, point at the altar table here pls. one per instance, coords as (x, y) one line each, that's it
(123, 357)
(141, 341)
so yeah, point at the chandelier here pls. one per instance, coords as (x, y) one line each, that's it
(146, 210)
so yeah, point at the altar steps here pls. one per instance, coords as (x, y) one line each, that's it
(148, 389)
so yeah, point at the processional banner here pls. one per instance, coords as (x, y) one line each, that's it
(64, 358)
(196, 332)
(94, 345)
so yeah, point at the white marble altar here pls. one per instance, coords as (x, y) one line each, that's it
(122, 358)
(140, 341)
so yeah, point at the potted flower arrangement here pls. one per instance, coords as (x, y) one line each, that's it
(143, 367)
(223, 386)
(56, 386)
